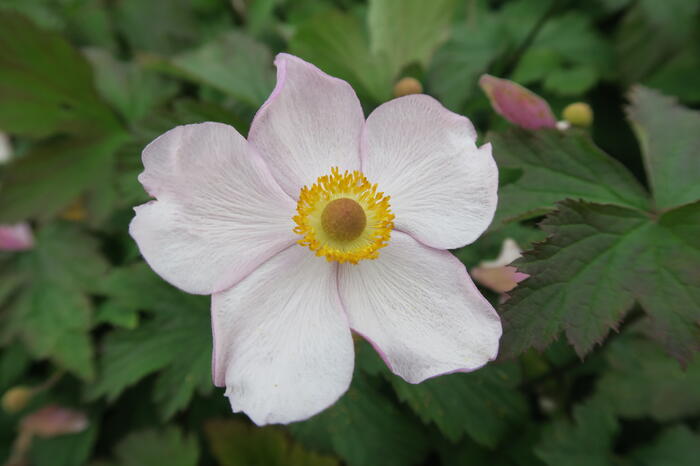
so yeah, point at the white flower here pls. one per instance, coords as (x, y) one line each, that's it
(254, 224)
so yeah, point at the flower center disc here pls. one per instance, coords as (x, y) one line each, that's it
(343, 219)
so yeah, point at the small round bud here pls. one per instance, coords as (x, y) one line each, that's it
(16, 398)
(406, 86)
(578, 114)
(76, 212)
(343, 219)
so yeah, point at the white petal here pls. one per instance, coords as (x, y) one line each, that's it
(310, 123)
(282, 344)
(442, 187)
(218, 214)
(420, 310)
(510, 251)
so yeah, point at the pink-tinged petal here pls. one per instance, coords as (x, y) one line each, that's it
(499, 279)
(442, 187)
(282, 344)
(219, 214)
(517, 104)
(53, 420)
(310, 123)
(418, 306)
(497, 274)
(17, 237)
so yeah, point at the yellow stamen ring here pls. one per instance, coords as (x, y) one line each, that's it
(343, 218)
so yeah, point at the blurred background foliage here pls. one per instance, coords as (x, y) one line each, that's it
(86, 327)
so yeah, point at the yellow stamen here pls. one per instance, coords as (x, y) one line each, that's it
(330, 221)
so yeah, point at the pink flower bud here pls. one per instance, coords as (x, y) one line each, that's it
(517, 104)
(53, 420)
(16, 237)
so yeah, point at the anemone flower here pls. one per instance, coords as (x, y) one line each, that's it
(319, 224)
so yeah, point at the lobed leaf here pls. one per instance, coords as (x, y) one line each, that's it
(599, 260)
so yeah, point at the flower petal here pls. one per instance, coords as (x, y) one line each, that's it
(282, 344)
(517, 104)
(310, 123)
(219, 212)
(419, 309)
(442, 187)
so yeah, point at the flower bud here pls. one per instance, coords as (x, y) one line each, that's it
(16, 399)
(53, 420)
(406, 86)
(517, 104)
(76, 212)
(17, 237)
(579, 114)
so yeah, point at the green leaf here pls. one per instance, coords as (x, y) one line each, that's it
(599, 260)
(36, 99)
(234, 443)
(404, 32)
(175, 340)
(131, 89)
(575, 55)
(642, 381)
(679, 75)
(675, 446)
(457, 65)
(233, 63)
(52, 314)
(53, 174)
(669, 135)
(174, 30)
(585, 441)
(556, 166)
(345, 53)
(671, 24)
(155, 448)
(64, 450)
(484, 404)
(365, 428)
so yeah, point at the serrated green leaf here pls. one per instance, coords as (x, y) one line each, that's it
(365, 428)
(234, 443)
(36, 100)
(675, 446)
(404, 32)
(52, 313)
(345, 54)
(556, 166)
(585, 441)
(53, 175)
(669, 135)
(643, 381)
(599, 260)
(175, 340)
(233, 63)
(155, 448)
(484, 404)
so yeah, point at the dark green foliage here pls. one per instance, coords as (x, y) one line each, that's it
(610, 228)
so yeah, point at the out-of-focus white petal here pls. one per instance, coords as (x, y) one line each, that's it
(442, 187)
(419, 309)
(219, 213)
(310, 123)
(282, 344)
